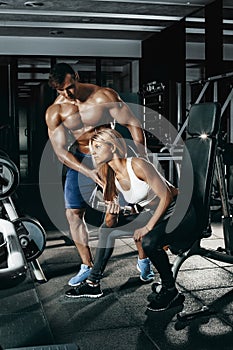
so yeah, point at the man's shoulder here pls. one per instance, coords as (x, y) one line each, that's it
(106, 89)
(56, 104)
(106, 94)
(55, 108)
(62, 107)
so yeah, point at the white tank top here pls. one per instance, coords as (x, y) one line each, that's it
(140, 192)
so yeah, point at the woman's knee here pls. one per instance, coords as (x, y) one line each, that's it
(146, 244)
(104, 235)
(152, 242)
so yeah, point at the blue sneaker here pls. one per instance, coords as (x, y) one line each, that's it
(83, 273)
(144, 266)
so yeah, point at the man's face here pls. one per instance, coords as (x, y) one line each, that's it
(68, 88)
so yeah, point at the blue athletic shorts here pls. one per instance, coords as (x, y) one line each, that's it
(78, 187)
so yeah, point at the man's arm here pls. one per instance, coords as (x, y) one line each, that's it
(124, 116)
(120, 111)
(57, 136)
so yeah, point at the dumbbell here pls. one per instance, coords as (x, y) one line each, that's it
(185, 316)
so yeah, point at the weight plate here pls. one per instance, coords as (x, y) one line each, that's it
(3, 154)
(9, 177)
(32, 237)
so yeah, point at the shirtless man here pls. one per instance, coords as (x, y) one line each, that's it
(82, 108)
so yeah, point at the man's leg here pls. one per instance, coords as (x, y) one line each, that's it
(77, 191)
(79, 234)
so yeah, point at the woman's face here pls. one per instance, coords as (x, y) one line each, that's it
(102, 152)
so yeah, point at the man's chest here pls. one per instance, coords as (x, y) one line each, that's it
(86, 119)
(94, 115)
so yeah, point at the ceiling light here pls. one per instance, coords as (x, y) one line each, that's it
(33, 4)
(87, 14)
(69, 25)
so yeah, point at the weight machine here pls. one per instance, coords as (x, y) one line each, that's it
(224, 254)
(201, 151)
(22, 239)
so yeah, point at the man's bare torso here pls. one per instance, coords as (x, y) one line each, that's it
(82, 118)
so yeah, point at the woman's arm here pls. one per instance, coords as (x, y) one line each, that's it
(163, 189)
(112, 213)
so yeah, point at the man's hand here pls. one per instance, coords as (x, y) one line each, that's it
(93, 174)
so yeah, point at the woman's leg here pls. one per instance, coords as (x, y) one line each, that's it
(156, 239)
(126, 226)
(152, 245)
(107, 236)
(102, 250)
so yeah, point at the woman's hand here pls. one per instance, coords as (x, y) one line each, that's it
(113, 209)
(140, 233)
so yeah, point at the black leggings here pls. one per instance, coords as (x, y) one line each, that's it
(155, 240)
(125, 227)
(152, 243)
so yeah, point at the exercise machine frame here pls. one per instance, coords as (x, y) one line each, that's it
(23, 237)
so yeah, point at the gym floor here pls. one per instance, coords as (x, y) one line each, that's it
(36, 314)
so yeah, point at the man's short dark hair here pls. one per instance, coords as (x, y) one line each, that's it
(58, 73)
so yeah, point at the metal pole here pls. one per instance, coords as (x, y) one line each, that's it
(215, 91)
(179, 109)
(186, 121)
(226, 218)
(231, 121)
(229, 98)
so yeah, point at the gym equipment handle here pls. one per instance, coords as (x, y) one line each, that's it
(188, 316)
(15, 257)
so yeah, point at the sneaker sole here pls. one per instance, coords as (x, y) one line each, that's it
(78, 283)
(176, 298)
(74, 285)
(142, 279)
(85, 296)
(148, 280)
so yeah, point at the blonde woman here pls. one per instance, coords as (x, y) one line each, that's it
(140, 183)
